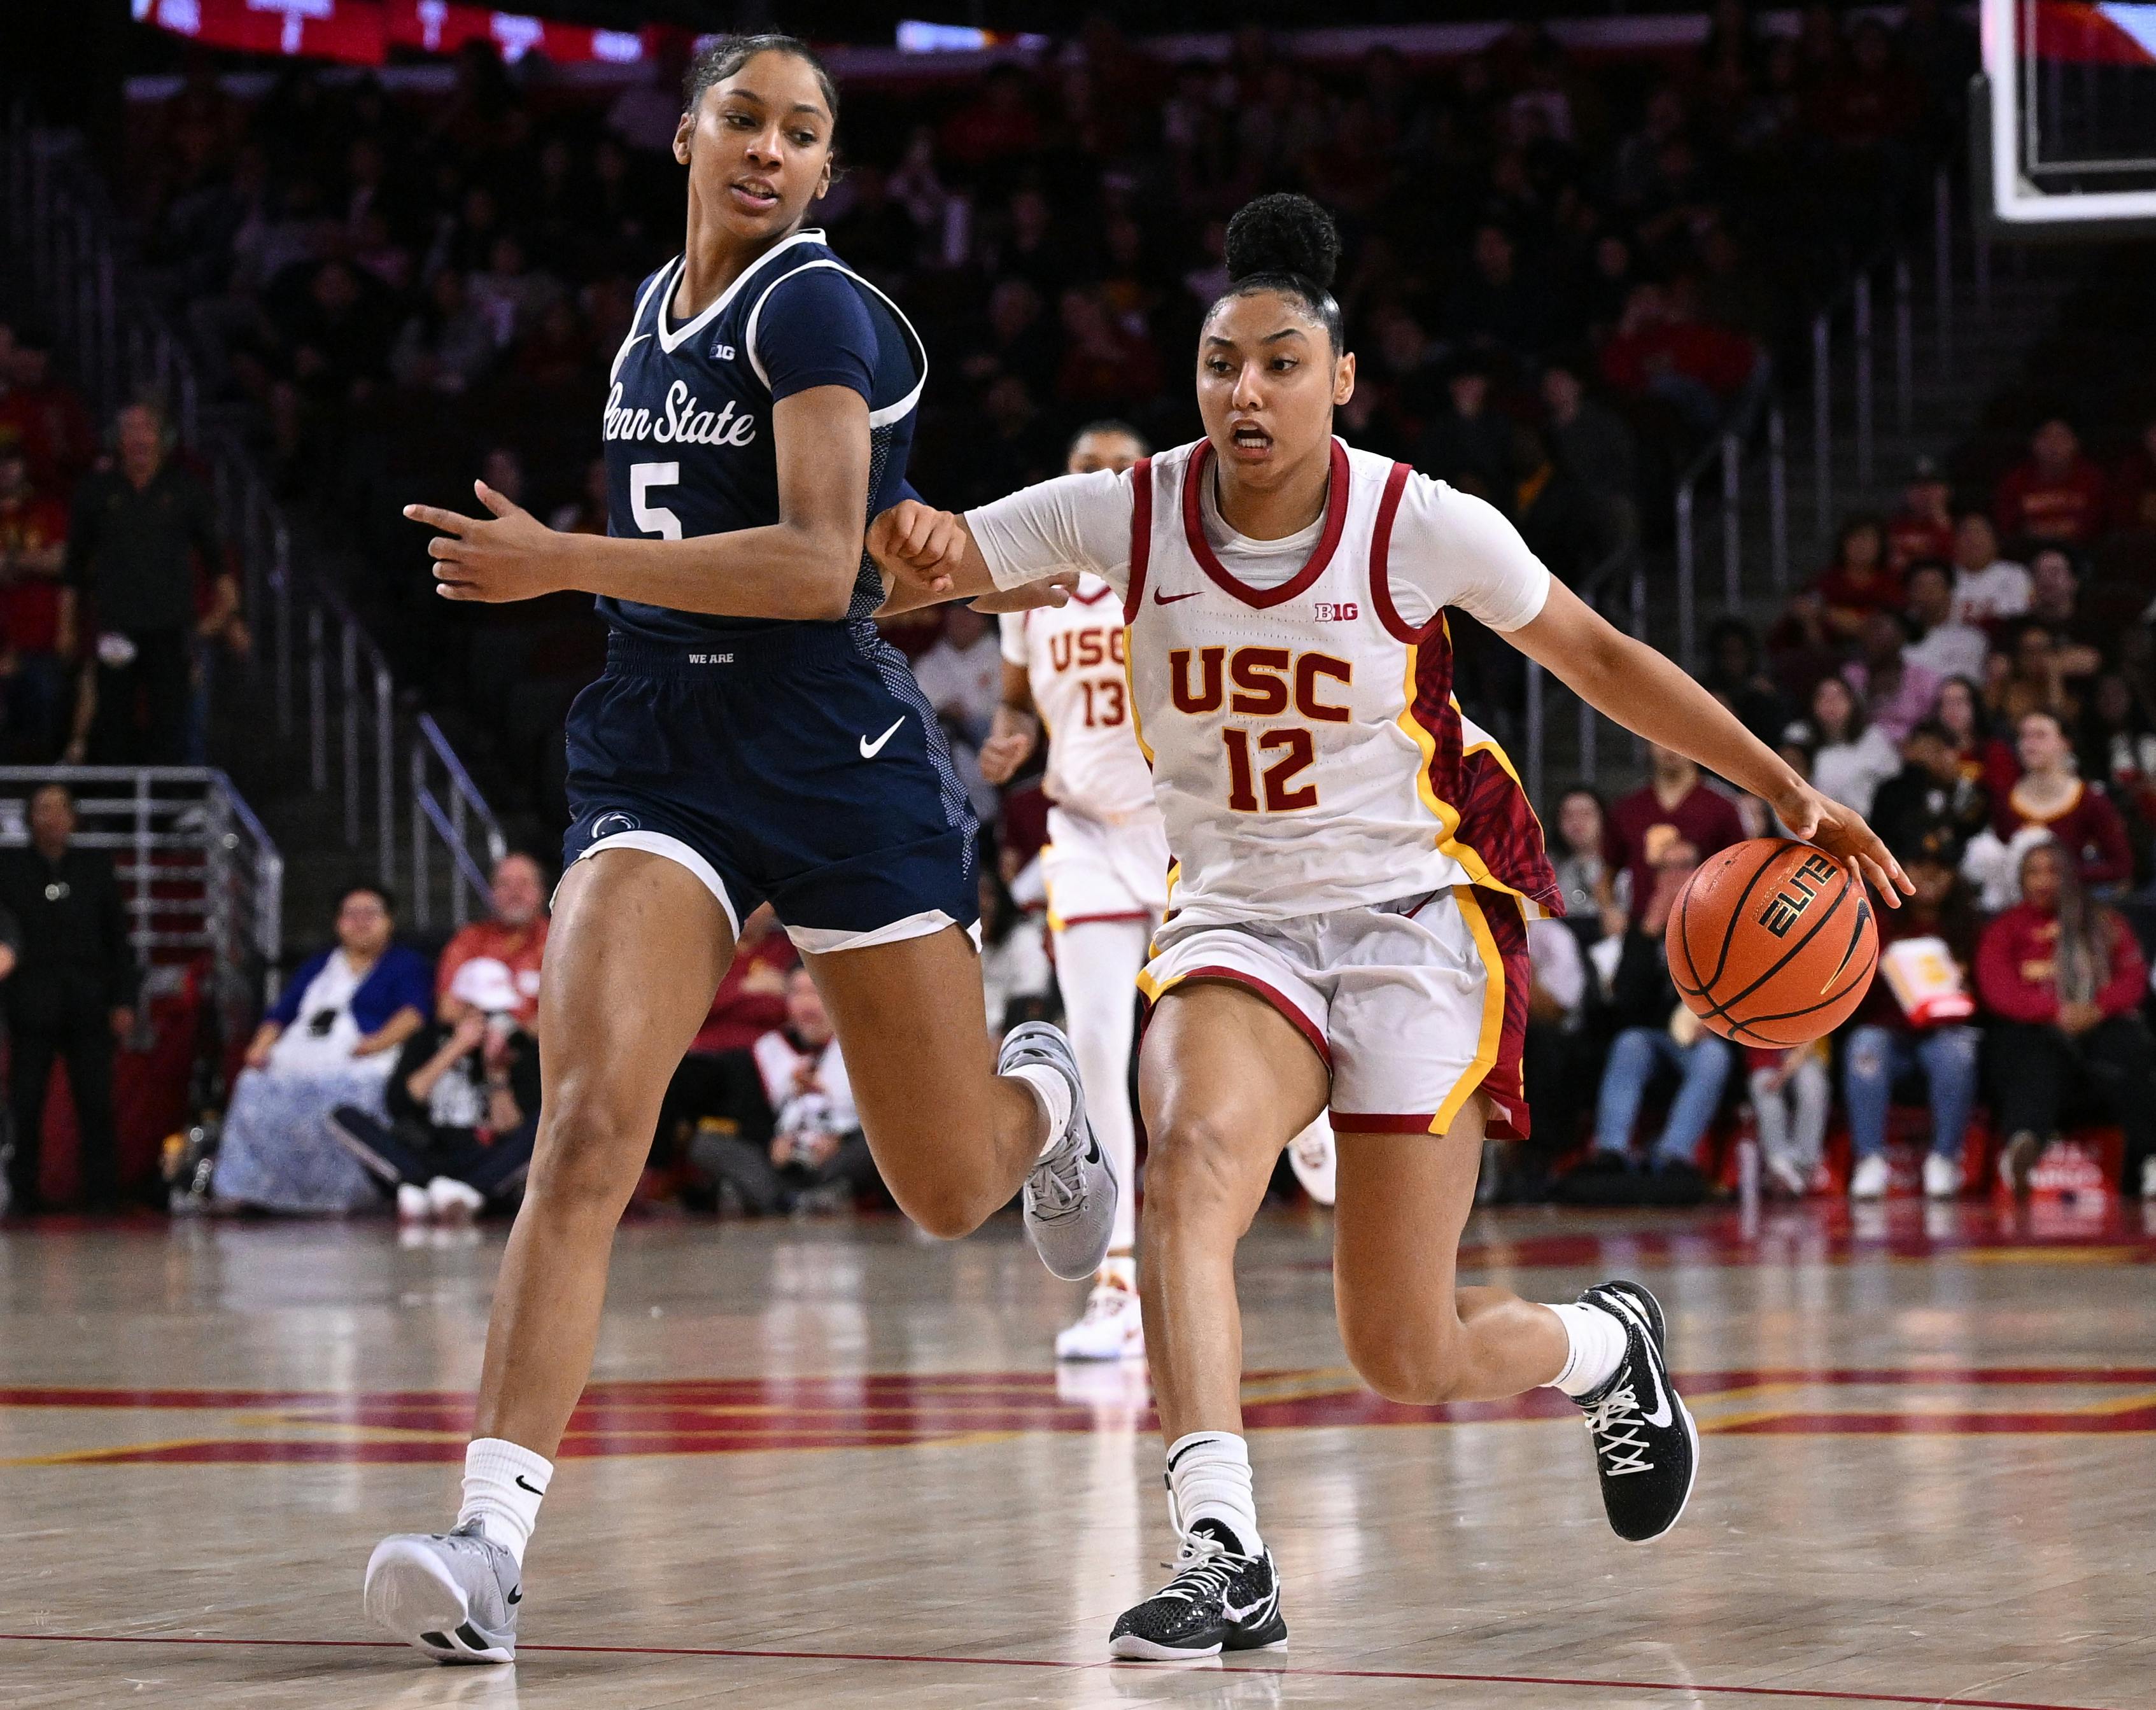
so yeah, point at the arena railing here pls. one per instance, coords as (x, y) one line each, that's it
(1742, 477)
(197, 871)
(324, 671)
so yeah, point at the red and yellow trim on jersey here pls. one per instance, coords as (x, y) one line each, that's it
(1492, 1032)
(1131, 698)
(1433, 726)
(1512, 857)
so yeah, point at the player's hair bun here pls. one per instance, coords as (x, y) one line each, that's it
(1283, 233)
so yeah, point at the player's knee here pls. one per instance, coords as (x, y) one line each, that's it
(1191, 1170)
(592, 1143)
(946, 1209)
(1407, 1363)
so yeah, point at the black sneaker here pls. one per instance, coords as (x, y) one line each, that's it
(1219, 1600)
(1646, 1448)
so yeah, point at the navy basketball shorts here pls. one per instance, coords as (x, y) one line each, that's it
(799, 765)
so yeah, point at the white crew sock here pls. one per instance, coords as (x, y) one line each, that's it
(1598, 1339)
(1053, 1093)
(1096, 965)
(503, 1483)
(1208, 1477)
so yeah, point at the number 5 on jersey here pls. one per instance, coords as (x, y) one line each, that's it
(653, 519)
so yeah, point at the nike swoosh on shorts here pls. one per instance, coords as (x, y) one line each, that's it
(870, 750)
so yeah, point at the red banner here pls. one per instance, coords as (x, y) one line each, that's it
(344, 30)
(360, 32)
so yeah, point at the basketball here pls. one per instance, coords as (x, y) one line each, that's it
(1772, 943)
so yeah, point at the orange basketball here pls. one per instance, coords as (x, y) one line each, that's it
(1772, 943)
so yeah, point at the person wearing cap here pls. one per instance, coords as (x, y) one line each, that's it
(513, 938)
(1924, 526)
(462, 1105)
(332, 1038)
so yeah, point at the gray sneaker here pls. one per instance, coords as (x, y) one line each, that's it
(452, 1594)
(1070, 1195)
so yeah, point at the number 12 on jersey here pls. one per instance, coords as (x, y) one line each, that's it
(1297, 750)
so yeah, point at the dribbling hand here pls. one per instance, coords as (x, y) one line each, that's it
(511, 556)
(1842, 832)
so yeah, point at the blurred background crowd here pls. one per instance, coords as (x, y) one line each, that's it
(1564, 274)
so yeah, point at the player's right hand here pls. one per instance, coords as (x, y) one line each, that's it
(1000, 756)
(919, 544)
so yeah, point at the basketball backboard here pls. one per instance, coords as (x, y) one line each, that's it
(2062, 120)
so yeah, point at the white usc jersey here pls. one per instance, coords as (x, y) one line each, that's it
(1308, 753)
(1073, 658)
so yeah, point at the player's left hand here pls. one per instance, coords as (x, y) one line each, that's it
(1030, 597)
(512, 556)
(1842, 832)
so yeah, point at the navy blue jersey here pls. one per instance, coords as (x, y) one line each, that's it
(689, 447)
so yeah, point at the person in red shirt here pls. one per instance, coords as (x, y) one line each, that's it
(515, 936)
(1924, 526)
(2055, 493)
(58, 438)
(1676, 805)
(2079, 816)
(34, 641)
(1661, 351)
(1860, 582)
(2134, 482)
(717, 1080)
(2063, 978)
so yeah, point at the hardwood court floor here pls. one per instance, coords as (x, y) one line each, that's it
(832, 1465)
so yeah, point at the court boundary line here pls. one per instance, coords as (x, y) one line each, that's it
(1820, 1694)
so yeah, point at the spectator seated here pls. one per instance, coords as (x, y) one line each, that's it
(817, 1158)
(331, 1039)
(462, 1105)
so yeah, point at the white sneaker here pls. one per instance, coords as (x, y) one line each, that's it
(454, 1202)
(412, 1205)
(1788, 1176)
(1868, 1179)
(1315, 1162)
(1941, 1177)
(2148, 1178)
(1112, 1329)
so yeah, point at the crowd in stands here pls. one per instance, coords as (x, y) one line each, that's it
(1558, 272)
(1978, 679)
(116, 593)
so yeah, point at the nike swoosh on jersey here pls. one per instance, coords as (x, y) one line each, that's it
(870, 750)
(1161, 599)
(1661, 1416)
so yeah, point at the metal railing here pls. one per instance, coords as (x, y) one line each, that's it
(1617, 588)
(1739, 483)
(326, 675)
(456, 822)
(198, 871)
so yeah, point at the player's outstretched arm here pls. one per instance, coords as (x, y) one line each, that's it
(927, 556)
(802, 566)
(1648, 694)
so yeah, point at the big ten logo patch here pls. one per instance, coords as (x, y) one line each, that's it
(1344, 612)
(1261, 682)
(1081, 649)
(1786, 906)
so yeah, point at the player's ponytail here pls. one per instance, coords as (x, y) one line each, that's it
(1287, 243)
